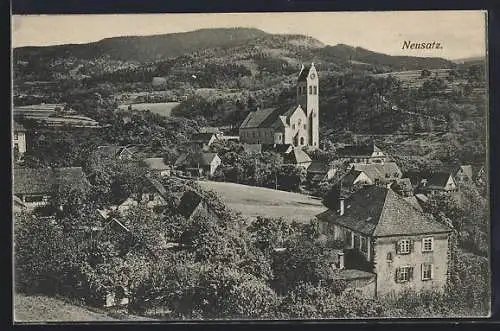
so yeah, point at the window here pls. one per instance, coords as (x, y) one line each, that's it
(389, 257)
(293, 126)
(305, 127)
(426, 271)
(356, 241)
(364, 245)
(348, 238)
(16, 135)
(315, 90)
(427, 244)
(34, 198)
(279, 138)
(302, 140)
(151, 197)
(300, 121)
(310, 90)
(404, 274)
(404, 246)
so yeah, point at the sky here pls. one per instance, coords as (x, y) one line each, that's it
(461, 33)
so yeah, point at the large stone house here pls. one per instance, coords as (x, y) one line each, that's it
(297, 125)
(385, 235)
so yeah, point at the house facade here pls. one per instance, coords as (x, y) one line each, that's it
(320, 171)
(297, 125)
(402, 246)
(157, 165)
(19, 140)
(203, 140)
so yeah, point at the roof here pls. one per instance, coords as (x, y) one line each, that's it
(351, 176)
(255, 119)
(414, 202)
(156, 163)
(438, 179)
(378, 211)
(43, 180)
(350, 274)
(202, 137)
(277, 148)
(202, 159)
(303, 73)
(358, 150)
(110, 151)
(189, 201)
(267, 117)
(319, 167)
(378, 170)
(296, 156)
(18, 127)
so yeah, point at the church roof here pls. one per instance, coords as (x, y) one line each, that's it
(378, 211)
(267, 117)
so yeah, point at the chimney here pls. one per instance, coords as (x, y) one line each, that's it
(341, 206)
(341, 260)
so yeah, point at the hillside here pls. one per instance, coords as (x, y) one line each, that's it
(38, 308)
(143, 48)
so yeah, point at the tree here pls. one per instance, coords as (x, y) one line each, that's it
(290, 177)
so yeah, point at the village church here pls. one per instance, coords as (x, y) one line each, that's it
(297, 126)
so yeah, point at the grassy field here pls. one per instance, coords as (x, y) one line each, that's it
(162, 108)
(253, 201)
(38, 308)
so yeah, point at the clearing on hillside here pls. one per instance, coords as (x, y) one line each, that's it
(252, 201)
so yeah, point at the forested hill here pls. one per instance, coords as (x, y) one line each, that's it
(144, 48)
(167, 46)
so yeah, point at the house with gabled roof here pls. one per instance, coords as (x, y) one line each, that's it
(320, 171)
(297, 124)
(362, 154)
(153, 195)
(198, 164)
(461, 173)
(384, 234)
(34, 187)
(380, 173)
(157, 165)
(203, 140)
(438, 182)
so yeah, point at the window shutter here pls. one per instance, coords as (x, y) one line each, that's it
(397, 275)
(397, 247)
(410, 273)
(422, 272)
(432, 271)
(411, 246)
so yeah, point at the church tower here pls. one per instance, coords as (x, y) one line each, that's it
(308, 99)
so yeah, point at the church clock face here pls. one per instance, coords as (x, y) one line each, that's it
(313, 75)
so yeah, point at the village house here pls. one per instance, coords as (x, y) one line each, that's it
(385, 235)
(152, 195)
(19, 140)
(430, 183)
(355, 178)
(297, 125)
(380, 173)
(198, 164)
(34, 187)
(157, 165)
(362, 154)
(203, 141)
(128, 152)
(319, 171)
(461, 173)
(479, 174)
